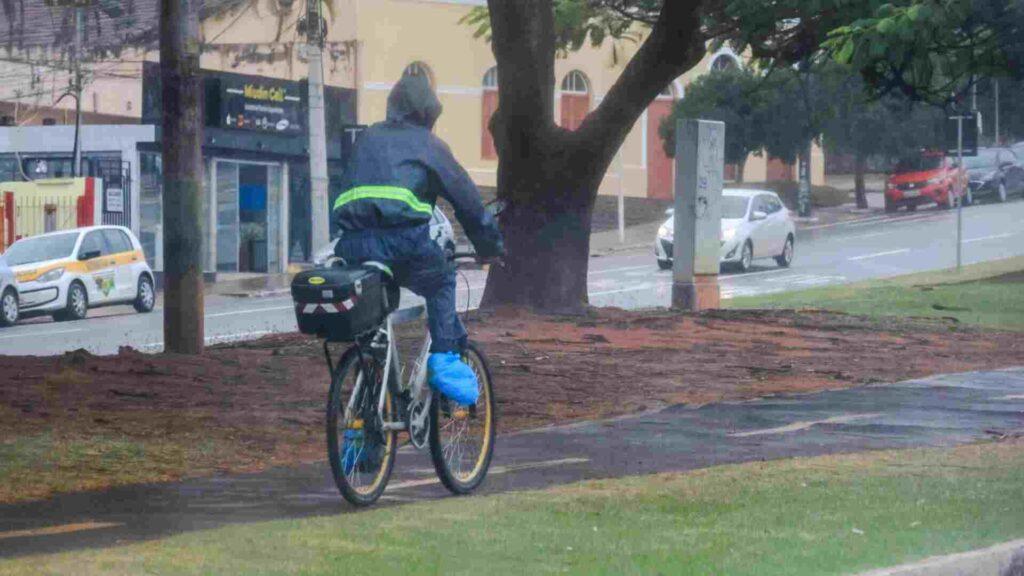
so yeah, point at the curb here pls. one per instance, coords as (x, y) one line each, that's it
(992, 561)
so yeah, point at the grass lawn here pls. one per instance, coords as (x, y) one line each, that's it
(989, 295)
(827, 515)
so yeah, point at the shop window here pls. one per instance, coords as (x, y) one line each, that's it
(575, 99)
(490, 105)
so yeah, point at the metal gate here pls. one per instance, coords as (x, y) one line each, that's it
(117, 189)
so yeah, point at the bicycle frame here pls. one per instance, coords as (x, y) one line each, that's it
(417, 383)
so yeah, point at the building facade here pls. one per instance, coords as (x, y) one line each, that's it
(257, 175)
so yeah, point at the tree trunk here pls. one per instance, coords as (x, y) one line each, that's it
(740, 167)
(183, 177)
(859, 167)
(550, 176)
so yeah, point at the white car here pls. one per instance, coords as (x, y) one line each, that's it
(8, 295)
(66, 273)
(440, 230)
(755, 224)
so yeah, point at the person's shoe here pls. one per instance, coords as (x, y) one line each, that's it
(353, 451)
(452, 377)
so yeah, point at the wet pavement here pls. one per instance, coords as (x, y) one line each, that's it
(935, 412)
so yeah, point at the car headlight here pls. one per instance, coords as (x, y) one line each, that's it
(728, 235)
(51, 276)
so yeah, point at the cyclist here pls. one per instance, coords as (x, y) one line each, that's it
(397, 170)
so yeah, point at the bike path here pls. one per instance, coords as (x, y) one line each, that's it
(935, 412)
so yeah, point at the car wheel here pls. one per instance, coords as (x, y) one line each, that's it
(145, 297)
(77, 306)
(1002, 192)
(665, 264)
(786, 258)
(9, 308)
(746, 257)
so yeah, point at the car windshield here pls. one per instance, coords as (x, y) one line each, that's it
(918, 163)
(734, 207)
(983, 159)
(40, 249)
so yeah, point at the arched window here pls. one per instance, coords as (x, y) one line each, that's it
(491, 79)
(724, 62)
(575, 99)
(419, 69)
(490, 105)
(576, 82)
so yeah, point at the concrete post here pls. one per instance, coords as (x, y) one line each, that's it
(700, 164)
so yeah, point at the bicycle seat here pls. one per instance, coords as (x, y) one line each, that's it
(394, 291)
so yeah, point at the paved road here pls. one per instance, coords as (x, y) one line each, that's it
(877, 246)
(941, 411)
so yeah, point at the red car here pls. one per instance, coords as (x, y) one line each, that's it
(924, 179)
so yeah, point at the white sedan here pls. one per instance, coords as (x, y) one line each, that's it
(66, 273)
(755, 224)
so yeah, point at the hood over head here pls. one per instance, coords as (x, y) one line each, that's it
(412, 100)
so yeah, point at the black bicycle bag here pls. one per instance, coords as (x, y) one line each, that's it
(340, 304)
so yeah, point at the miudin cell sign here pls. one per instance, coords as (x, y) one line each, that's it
(261, 105)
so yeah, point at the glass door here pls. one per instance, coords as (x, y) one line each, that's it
(227, 216)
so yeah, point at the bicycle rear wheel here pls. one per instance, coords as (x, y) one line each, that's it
(361, 452)
(462, 438)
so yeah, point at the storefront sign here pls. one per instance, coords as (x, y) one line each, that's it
(115, 200)
(262, 105)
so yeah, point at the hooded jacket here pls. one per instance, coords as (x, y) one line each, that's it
(398, 168)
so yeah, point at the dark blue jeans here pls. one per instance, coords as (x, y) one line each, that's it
(419, 264)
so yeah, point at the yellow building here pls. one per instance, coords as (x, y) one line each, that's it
(370, 44)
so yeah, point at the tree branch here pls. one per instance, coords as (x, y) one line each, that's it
(675, 45)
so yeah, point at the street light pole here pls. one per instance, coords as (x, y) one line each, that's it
(960, 202)
(77, 88)
(318, 178)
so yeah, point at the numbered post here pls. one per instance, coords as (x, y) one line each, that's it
(700, 163)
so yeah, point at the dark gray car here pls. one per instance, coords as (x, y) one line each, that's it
(994, 173)
(8, 295)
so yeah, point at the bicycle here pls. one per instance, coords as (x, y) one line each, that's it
(369, 405)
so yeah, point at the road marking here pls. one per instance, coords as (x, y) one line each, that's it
(993, 237)
(879, 254)
(250, 311)
(626, 269)
(54, 530)
(849, 222)
(864, 236)
(493, 471)
(33, 334)
(1011, 397)
(798, 426)
(633, 289)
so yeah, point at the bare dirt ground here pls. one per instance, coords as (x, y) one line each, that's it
(259, 404)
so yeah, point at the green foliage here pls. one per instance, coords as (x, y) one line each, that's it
(576, 21)
(887, 127)
(734, 96)
(929, 49)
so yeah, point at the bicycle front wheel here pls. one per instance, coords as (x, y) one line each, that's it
(361, 452)
(462, 438)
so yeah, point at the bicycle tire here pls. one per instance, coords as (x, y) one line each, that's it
(455, 482)
(337, 398)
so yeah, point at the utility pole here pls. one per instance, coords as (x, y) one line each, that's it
(995, 88)
(318, 179)
(183, 176)
(79, 24)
